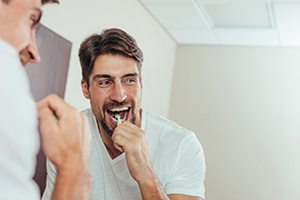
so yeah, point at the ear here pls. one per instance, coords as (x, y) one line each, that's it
(141, 82)
(85, 89)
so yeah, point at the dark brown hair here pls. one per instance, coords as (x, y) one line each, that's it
(111, 41)
(43, 1)
(49, 1)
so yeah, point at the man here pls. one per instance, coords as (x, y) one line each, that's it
(135, 155)
(65, 139)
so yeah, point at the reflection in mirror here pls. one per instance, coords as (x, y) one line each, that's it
(228, 70)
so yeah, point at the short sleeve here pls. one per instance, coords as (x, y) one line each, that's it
(188, 174)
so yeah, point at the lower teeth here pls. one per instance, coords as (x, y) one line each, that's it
(118, 117)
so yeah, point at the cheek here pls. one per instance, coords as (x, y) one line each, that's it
(26, 30)
(98, 100)
(136, 95)
(23, 37)
(98, 96)
(97, 107)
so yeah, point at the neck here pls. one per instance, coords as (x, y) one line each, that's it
(113, 152)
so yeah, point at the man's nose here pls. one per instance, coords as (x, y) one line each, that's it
(119, 93)
(32, 49)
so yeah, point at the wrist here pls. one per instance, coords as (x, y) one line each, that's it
(72, 164)
(72, 184)
(152, 189)
(148, 180)
(145, 176)
(72, 169)
(74, 175)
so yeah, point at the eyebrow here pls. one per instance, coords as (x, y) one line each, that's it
(130, 75)
(98, 76)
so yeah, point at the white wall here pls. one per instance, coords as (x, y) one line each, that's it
(75, 20)
(244, 104)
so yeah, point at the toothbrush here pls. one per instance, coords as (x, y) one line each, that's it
(55, 117)
(118, 117)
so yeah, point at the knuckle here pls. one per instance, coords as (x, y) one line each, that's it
(142, 136)
(131, 147)
(52, 96)
(117, 138)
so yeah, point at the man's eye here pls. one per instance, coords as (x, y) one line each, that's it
(104, 83)
(130, 81)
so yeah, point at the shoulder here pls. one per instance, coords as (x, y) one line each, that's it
(161, 125)
(168, 136)
(176, 154)
(86, 112)
(89, 115)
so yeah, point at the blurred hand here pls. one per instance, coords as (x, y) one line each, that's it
(131, 139)
(64, 133)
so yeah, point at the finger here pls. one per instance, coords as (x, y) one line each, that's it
(127, 126)
(120, 141)
(46, 116)
(56, 104)
(46, 120)
(124, 131)
(118, 147)
(45, 101)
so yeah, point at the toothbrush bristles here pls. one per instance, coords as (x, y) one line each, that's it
(118, 117)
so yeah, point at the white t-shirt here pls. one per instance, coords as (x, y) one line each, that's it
(19, 141)
(176, 155)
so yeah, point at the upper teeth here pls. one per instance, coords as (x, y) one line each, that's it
(119, 109)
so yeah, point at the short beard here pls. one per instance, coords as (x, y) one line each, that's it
(110, 131)
(6, 1)
(106, 128)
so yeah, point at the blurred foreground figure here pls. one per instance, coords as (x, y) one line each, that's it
(65, 140)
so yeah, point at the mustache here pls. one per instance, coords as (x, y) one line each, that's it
(113, 104)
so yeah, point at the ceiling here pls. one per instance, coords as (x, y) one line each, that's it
(229, 22)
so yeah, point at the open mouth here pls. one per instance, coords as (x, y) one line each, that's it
(119, 115)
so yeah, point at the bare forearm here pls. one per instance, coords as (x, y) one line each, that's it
(152, 190)
(75, 186)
